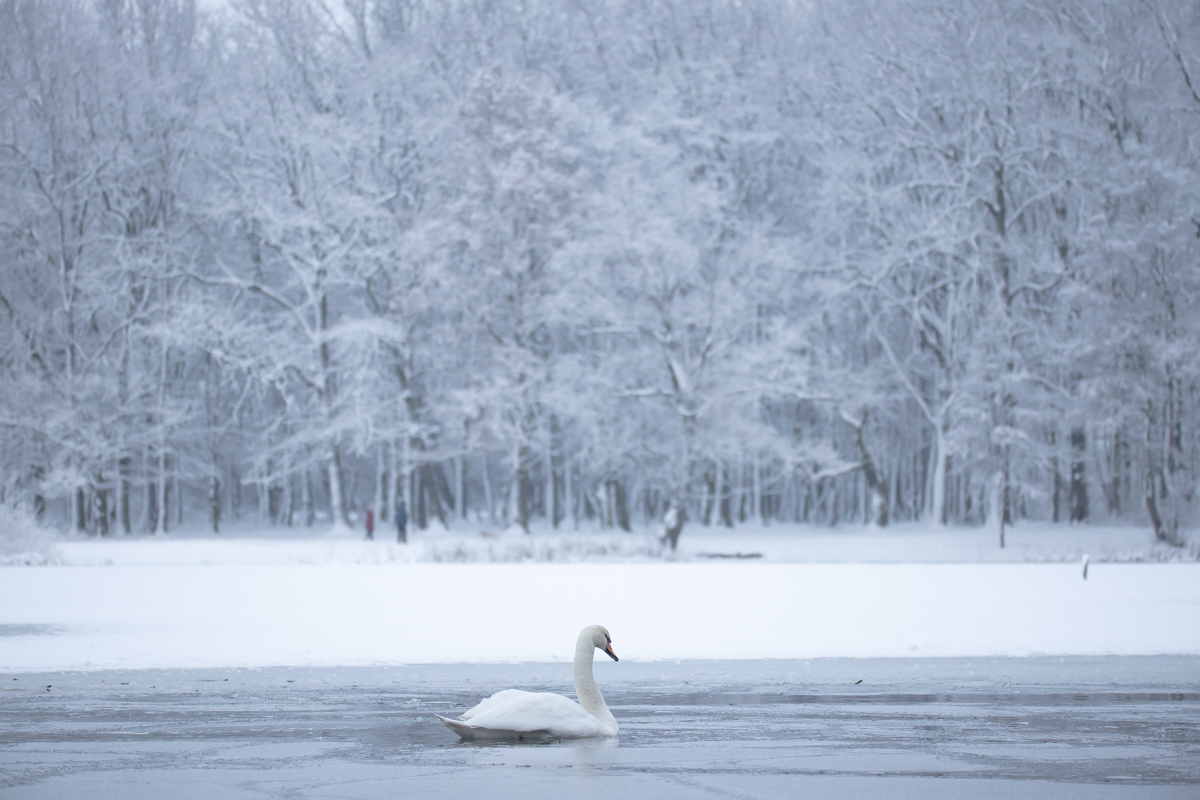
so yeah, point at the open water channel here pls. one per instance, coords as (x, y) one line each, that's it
(832, 728)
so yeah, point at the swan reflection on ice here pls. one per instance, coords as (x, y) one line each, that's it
(514, 714)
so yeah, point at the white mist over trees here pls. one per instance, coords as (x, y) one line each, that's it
(600, 260)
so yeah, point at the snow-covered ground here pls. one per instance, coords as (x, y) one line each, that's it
(904, 543)
(324, 600)
(134, 617)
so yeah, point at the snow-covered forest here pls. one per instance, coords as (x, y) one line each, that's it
(599, 260)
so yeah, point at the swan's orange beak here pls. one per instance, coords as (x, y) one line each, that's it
(611, 654)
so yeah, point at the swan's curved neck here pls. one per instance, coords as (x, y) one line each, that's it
(585, 685)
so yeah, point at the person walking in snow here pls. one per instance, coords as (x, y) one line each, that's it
(401, 523)
(371, 522)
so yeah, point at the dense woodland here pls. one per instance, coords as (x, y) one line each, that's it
(599, 262)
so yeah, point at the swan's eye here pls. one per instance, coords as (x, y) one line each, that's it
(608, 638)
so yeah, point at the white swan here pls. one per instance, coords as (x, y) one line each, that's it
(515, 714)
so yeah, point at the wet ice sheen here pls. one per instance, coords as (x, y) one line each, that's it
(1040, 727)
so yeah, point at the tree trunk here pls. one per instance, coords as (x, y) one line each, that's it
(397, 478)
(416, 490)
(124, 467)
(548, 492)
(621, 505)
(461, 495)
(512, 501)
(996, 506)
(39, 500)
(165, 506)
(1162, 532)
(755, 488)
(310, 502)
(706, 499)
(724, 505)
(738, 493)
(1077, 494)
(380, 501)
(457, 464)
(235, 488)
(292, 502)
(117, 506)
(878, 511)
(274, 495)
(568, 498)
(487, 489)
(1159, 499)
(431, 478)
(337, 497)
(520, 492)
(1055, 490)
(214, 503)
(101, 499)
(152, 507)
(938, 505)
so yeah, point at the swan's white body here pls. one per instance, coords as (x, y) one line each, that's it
(516, 714)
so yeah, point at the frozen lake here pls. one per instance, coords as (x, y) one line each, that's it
(1092, 727)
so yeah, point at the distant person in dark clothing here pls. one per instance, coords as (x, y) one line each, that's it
(371, 522)
(401, 523)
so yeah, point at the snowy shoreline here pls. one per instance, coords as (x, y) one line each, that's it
(138, 617)
(830, 676)
(898, 544)
(330, 599)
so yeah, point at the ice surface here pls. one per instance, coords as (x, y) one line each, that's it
(1103, 727)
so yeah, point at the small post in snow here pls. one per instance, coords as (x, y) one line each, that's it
(1085, 563)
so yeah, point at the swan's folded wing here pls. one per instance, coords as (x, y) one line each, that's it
(499, 698)
(527, 712)
(463, 729)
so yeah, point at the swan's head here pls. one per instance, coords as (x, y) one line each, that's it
(600, 639)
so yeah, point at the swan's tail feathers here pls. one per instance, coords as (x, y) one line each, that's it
(463, 729)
